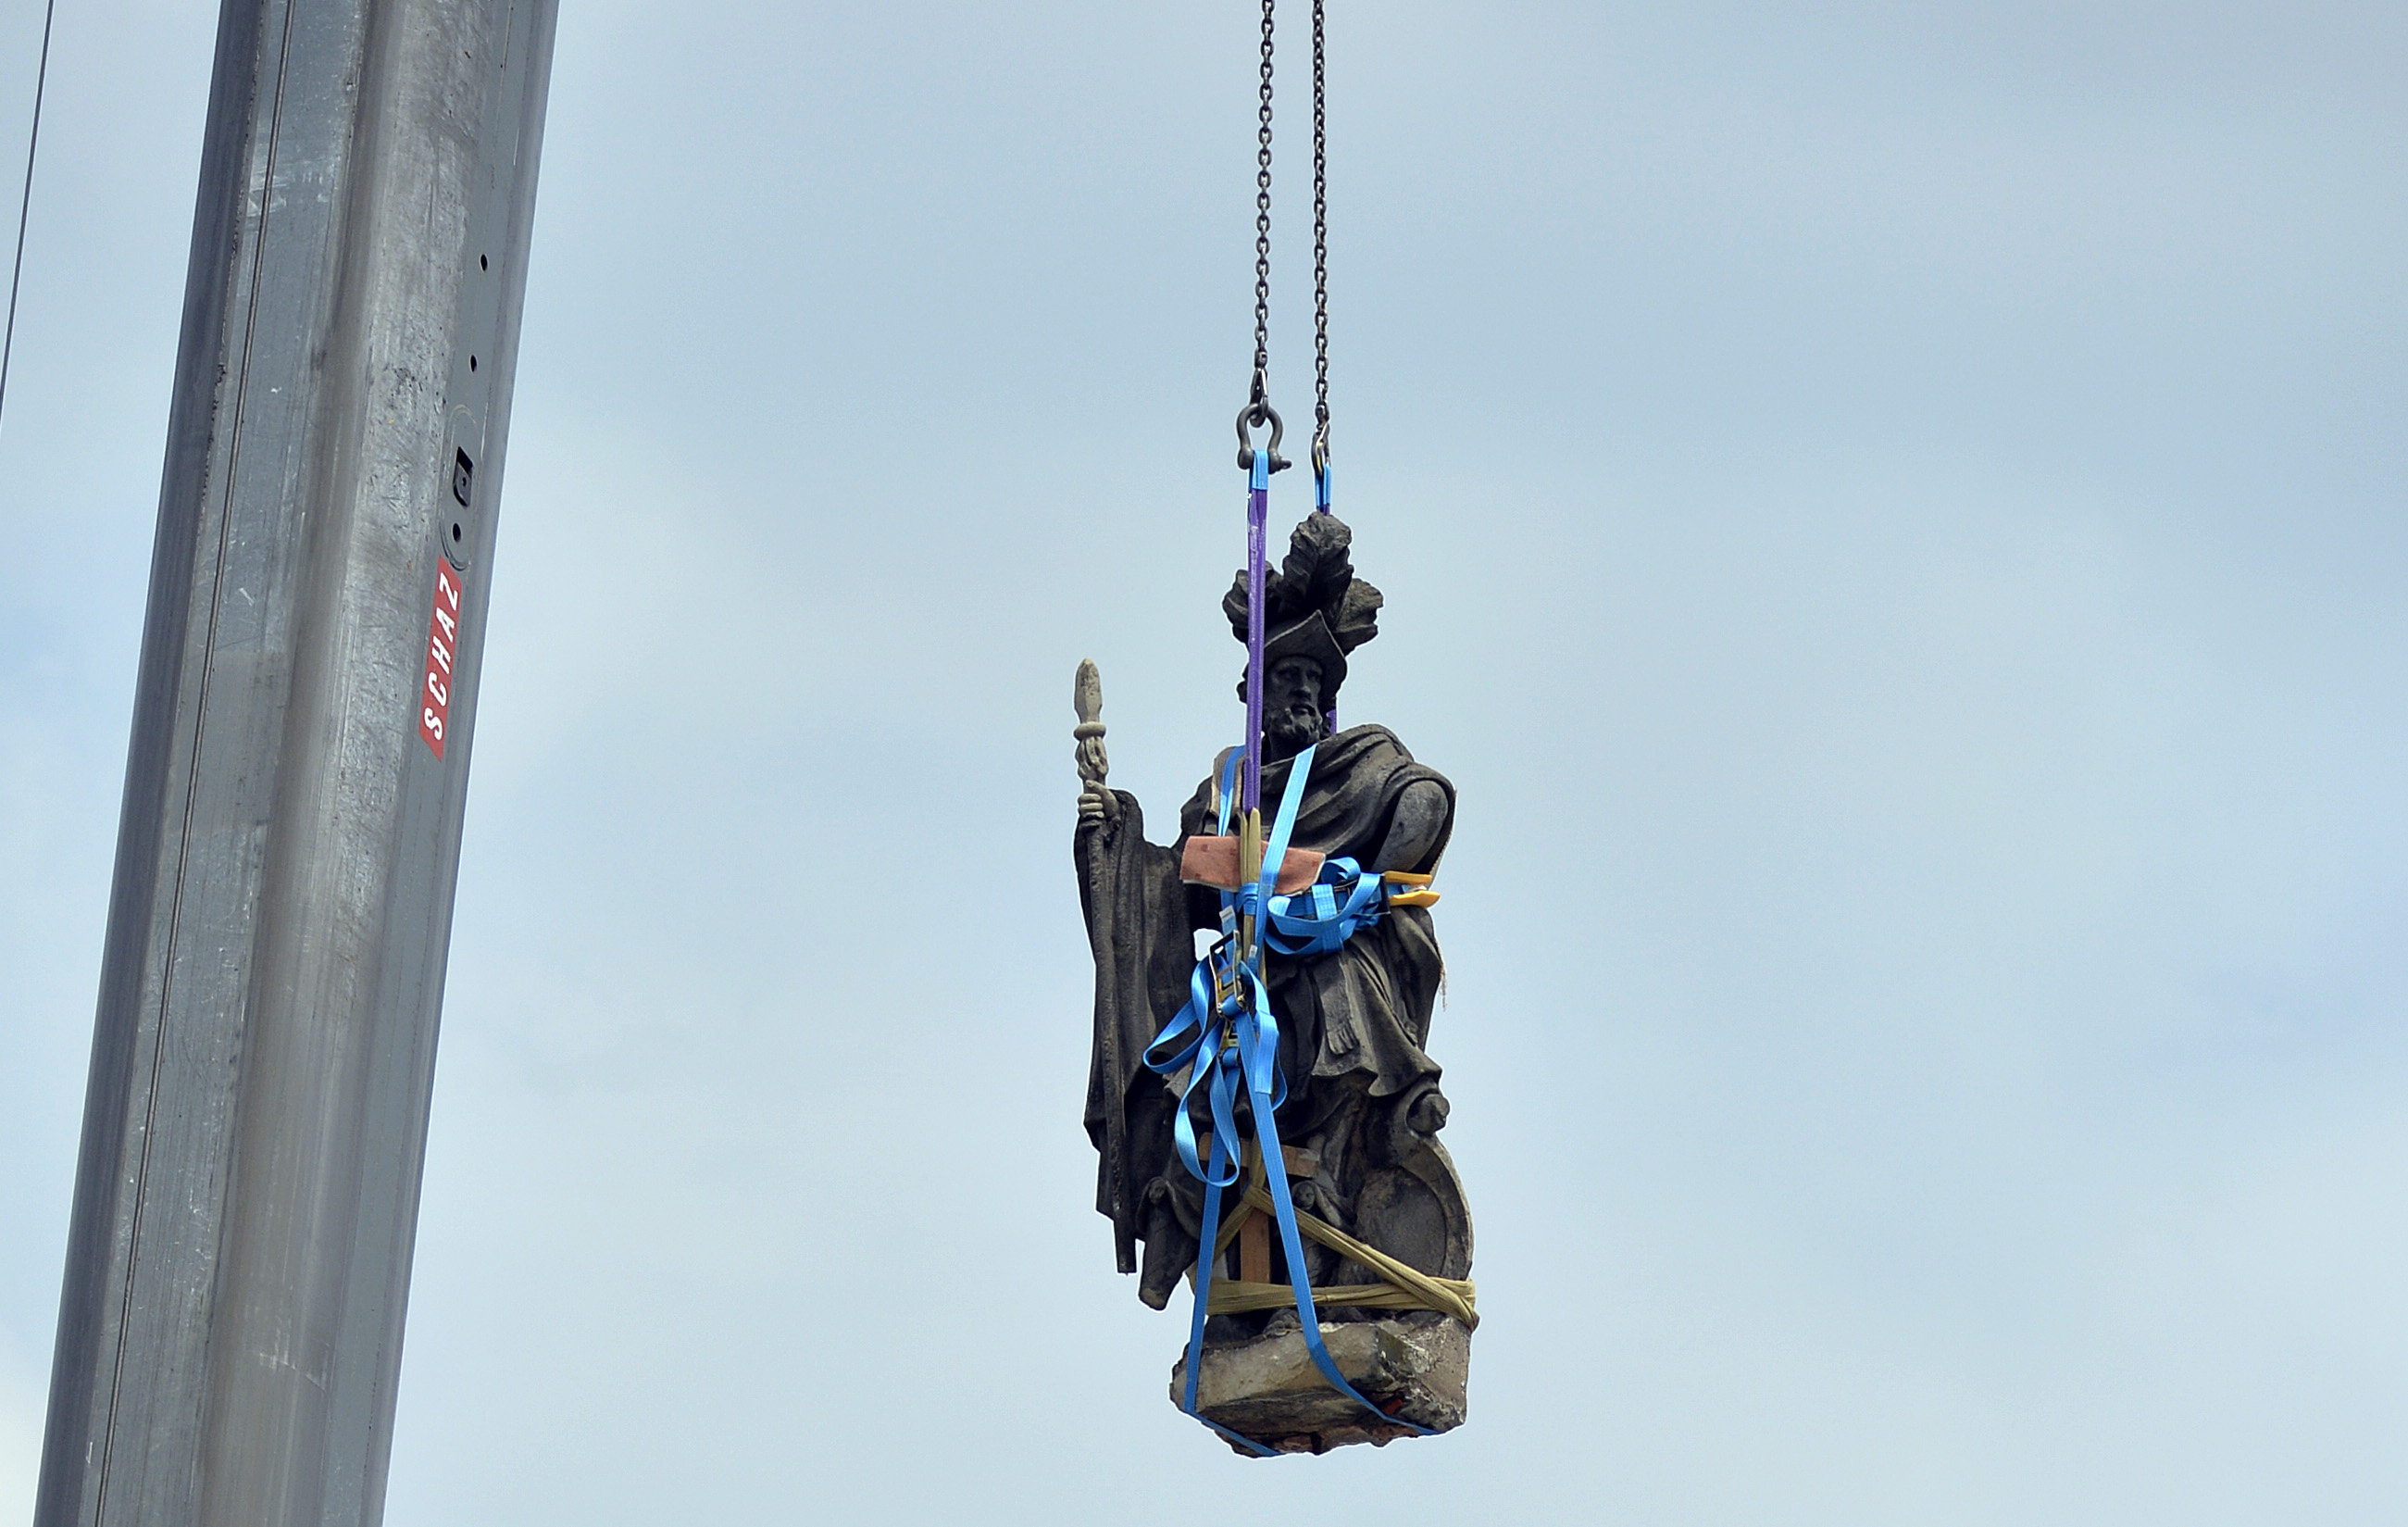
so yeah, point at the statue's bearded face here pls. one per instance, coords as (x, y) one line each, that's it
(1294, 715)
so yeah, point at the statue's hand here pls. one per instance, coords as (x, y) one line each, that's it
(1098, 805)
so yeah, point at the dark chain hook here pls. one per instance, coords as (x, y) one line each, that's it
(1255, 415)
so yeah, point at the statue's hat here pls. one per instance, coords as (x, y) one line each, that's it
(1314, 606)
(1309, 637)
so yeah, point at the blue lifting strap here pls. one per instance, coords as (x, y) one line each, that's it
(1227, 1038)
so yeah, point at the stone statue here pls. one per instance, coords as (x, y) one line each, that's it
(1363, 1106)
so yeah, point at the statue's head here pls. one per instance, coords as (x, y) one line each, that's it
(1315, 611)
(1295, 710)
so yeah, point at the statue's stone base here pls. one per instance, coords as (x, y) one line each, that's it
(1268, 1388)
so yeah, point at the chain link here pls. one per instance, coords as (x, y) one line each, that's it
(1258, 411)
(1320, 261)
(1263, 216)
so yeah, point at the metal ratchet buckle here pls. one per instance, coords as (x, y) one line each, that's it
(1225, 974)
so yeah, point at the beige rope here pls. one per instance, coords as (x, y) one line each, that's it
(1407, 1287)
(1231, 1297)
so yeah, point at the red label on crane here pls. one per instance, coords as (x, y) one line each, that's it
(442, 644)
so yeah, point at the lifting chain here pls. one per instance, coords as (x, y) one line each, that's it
(1258, 411)
(1320, 278)
(1263, 212)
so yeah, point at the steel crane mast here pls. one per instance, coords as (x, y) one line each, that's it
(256, 1123)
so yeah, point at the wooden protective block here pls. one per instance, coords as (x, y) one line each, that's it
(1213, 861)
(1255, 1250)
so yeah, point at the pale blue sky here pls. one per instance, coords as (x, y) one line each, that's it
(1892, 518)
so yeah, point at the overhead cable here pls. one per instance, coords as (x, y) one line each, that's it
(25, 204)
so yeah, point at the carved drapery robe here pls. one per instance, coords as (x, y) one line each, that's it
(1352, 1024)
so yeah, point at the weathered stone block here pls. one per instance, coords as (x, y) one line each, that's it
(1416, 1367)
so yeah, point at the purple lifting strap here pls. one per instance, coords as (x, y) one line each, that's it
(1321, 506)
(1259, 508)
